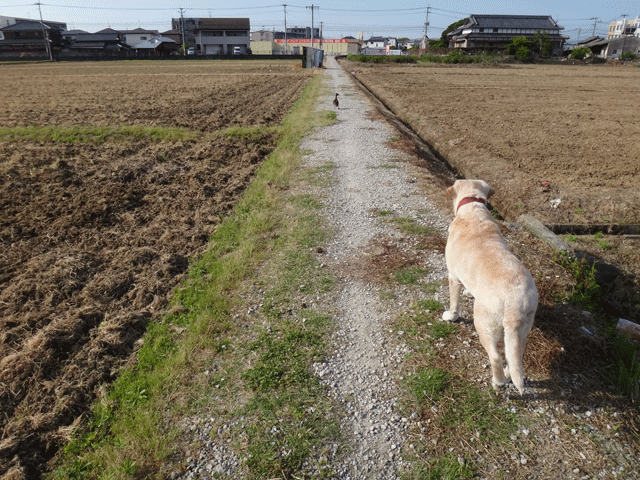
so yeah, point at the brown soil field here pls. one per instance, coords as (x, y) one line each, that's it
(94, 236)
(561, 142)
(203, 96)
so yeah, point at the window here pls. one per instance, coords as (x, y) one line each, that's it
(495, 30)
(143, 38)
(481, 30)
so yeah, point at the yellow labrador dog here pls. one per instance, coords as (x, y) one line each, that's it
(505, 294)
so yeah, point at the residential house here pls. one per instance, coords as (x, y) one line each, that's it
(159, 45)
(375, 42)
(495, 32)
(104, 41)
(7, 21)
(175, 35)
(617, 46)
(375, 46)
(30, 38)
(612, 48)
(70, 35)
(137, 36)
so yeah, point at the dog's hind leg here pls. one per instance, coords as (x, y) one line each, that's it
(490, 333)
(455, 288)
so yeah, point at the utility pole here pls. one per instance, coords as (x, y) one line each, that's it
(45, 35)
(321, 35)
(624, 37)
(595, 21)
(286, 45)
(426, 24)
(184, 48)
(312, 7)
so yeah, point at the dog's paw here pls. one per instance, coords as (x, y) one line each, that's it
(450, 316)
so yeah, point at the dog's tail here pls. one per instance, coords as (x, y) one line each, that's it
(516, 329)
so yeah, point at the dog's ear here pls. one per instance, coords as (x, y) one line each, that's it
(451, 193)
(486, 189)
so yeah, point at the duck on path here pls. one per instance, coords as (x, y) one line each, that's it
(335, 101)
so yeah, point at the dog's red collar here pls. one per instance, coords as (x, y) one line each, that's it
(466, 200)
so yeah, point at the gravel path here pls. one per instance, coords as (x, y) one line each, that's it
(365, 367)
(362, 374)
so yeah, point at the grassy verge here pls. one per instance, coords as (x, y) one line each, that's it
(121, 134)
(235, 343)
(458, 421)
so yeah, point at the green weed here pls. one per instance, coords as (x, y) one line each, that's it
(410, 226)
(409, 276)
(586, 291)
(428, 383)
(442, 329)
(430, 305)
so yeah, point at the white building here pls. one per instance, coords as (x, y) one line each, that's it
(626, 27)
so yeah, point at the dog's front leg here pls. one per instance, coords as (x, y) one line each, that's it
(455, 288)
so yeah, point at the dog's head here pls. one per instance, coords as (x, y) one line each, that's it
(468, 189)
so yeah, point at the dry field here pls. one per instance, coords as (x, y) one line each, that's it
(94, 234)
(538, 133)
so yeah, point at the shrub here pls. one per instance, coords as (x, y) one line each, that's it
(455, 56)
(580, 52)
(629, 56)
(523, 53)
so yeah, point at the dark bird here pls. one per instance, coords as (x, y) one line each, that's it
(335, 101)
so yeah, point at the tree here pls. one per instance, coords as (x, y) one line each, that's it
(443, 38)
(521, 48)
(542, 43)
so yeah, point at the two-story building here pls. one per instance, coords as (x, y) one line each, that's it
(137, 36)
(215, 36)
(495, 32)
(30, 37)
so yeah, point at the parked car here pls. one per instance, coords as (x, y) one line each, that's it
(191, 51)
(237, 50)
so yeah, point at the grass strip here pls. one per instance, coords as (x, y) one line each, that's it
(260, 363)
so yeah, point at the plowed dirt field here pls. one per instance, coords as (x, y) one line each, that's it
(95, 233)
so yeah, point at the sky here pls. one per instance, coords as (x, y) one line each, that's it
(337, 18)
